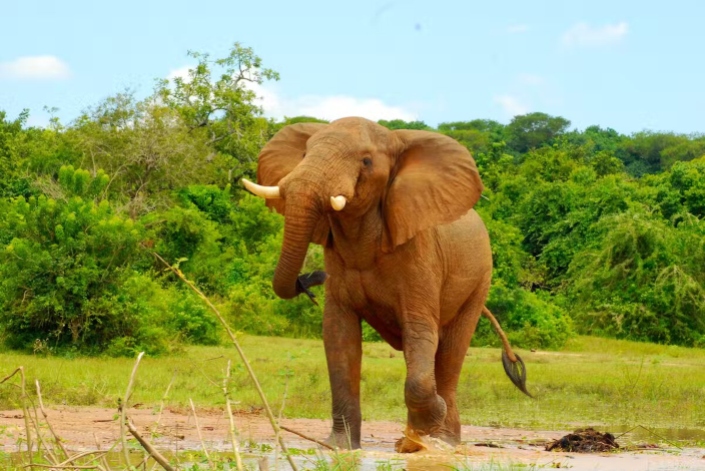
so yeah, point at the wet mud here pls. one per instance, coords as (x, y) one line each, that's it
(85, 428)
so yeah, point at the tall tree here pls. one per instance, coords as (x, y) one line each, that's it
(533, 130)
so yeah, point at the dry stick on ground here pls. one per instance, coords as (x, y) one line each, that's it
(200, 436)
(158, 457)
(651, 432)
(215, 310)
(99, 454)
(25, 411)
(123, 409)
(70, 466)
(155, 427)
(306, 437)
(233, 437)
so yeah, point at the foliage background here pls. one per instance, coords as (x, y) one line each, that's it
(593, 231)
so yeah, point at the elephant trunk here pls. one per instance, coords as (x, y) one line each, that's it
(299, 222)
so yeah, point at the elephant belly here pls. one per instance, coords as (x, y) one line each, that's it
(467, 258)
(388, 328)
(362, 292)
(381, 315)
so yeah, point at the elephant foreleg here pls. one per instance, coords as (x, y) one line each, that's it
(426, 409)
(342, 337)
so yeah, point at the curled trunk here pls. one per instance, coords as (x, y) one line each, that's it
(299, 223)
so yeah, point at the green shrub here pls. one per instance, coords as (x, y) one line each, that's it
(530, 320)
(68, 279)
(643, 281)
(63, 263)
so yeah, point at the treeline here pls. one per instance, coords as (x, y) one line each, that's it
(593, 231)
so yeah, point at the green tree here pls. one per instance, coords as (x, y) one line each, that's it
(401, 124)
(533, 130)
(643, 281)
(12, 181)
(225, 109)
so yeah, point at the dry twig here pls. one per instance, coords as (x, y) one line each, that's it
(200, 436)
(123, 409)
(233, 436)
(306, 437)
(70, 466)
(267, 408)
(25, 411)
(161, 404)
(158, 457)
(102, 457)
(40, 441)
(57, 440)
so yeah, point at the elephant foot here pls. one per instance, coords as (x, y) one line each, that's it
(342, 441)
(449, 438)
(413, 442)
(429, 419)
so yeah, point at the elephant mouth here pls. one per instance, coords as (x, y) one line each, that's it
(337, 202)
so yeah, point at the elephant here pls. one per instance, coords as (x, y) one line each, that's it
(403, 249)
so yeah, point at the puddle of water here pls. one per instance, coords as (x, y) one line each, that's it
(376, 461)
(305, 461)
(651, 435)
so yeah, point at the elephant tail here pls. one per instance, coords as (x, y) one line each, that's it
(513, 364)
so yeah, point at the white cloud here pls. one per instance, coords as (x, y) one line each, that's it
(181, 72)
(582, 34)
(36, 68)
(340, 106)
(275, 105)
(518, 28)
(511, 105)
(329, 108)
(530, 79)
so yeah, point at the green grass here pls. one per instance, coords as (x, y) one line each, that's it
(592, 382)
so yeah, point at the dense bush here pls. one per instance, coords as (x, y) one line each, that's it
(63, 264)
(592, 231)
(68, 280)
(644, 281)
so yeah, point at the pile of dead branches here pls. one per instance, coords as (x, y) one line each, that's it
(587, 440)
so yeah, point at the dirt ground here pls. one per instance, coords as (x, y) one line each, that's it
(79, 429)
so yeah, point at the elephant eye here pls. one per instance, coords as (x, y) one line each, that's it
(367, 162)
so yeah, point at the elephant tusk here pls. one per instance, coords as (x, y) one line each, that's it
(268, 192)
(338, 202)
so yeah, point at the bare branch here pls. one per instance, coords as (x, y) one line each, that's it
(158, 457)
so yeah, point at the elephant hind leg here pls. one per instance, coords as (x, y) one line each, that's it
(452, 346)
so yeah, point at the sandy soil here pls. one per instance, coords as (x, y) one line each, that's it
(79, 429)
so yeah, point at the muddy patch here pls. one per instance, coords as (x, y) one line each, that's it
(84, 428)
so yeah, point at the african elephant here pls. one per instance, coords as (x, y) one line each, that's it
(403, 249)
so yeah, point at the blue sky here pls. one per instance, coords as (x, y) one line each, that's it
(630, 65)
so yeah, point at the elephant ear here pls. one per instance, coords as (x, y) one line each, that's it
(434, 181)
(280, 156)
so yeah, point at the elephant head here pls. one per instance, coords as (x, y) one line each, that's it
(316, 173)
